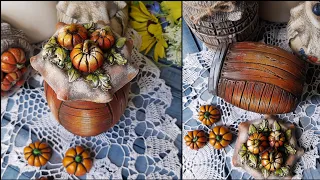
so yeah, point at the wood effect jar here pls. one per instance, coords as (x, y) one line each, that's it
(85, 118)
(258, 77)
(215, 28)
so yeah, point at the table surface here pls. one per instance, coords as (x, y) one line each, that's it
(191, 45)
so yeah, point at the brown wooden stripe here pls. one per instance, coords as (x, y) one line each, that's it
(262, 73)
(268, 49)
(84, 112)
(265, 98)
(256, 96)
(275, 99)
(84, 104)
(237, 92)
(249, 56)
(283, 102)
(229, 91)
(223, 87)
(246, 95)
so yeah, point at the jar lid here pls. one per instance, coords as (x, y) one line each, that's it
(216, 67)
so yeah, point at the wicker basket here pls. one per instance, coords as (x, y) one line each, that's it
(86, 118)
(258, 77)
(217, 29)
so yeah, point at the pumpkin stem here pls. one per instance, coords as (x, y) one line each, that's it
(36, 152)
(206, 115)
(72, 28)
(218, 138)
(86, 46)
(256, 142)
(78, 159)
(20, 66)
(195, 139)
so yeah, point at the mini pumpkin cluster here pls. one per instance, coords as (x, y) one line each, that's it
(219, 137)
(267, 149)
(76, 160)
(13, 67)
(83, 49)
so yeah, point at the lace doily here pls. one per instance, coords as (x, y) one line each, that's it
(209, 163)
(26, 117)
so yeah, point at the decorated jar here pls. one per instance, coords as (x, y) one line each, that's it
(86, 86)
(303, 31)
(258, 77)
(217, 22)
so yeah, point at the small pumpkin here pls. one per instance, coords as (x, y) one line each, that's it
(12, 60)
(37, 153)
(10, 80)
(271, 160)
(276, 139)
(257, 142)
(209, 114)
(87, 56)
(196, 139)
(77, 161)
(103, 37)
(220, 137)
(71, 35)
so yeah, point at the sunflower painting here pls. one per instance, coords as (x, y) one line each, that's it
(159, 24)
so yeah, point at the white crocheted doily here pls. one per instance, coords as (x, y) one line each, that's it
(144, 120)
(209, 163)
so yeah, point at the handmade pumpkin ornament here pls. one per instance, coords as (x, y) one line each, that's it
(104, 37)
(37, 153)
(77, 161)
(271, 160)
(220, 137)
(10, 80)
(276, 139)
(196, 139)
(12, 60)
(87, 56)
(71, 35)
(209, 114)
(257, 142)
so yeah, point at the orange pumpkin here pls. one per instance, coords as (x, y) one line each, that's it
(12, 60)
(257, 143)
(271, 160)
(209, 114)
(276, 139)
(77, 161)
(220, 137)
(196, 139)
(103, 37)
(37, 154)
(10, 80)
(87, 56)
(71, 35)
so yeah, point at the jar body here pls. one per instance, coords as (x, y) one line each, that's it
(85, 118)
(222, 27)
(261, 78)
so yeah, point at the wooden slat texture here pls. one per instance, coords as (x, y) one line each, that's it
(86, 118)
(262, 73)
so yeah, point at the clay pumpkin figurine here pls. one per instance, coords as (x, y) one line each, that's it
(271, 160)
(196, 139)
(87, 56)
(220, 137)
(37, 154)
(103, 37)
(77, 161)
(209, 114)
(12, 60)
(257, 142)
(71, 35)
(276, 137)
(10, 80)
